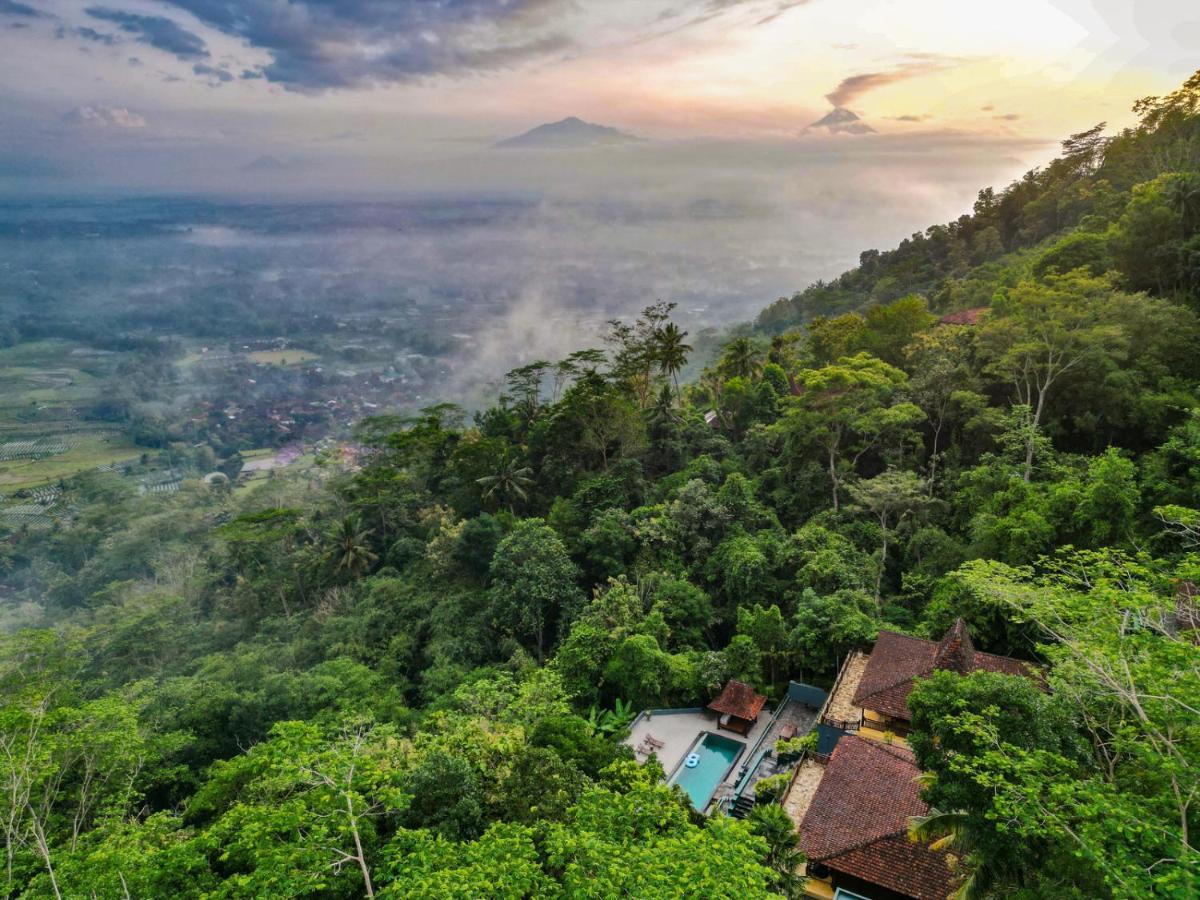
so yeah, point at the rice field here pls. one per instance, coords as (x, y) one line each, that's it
(92, 450)
(43, 439)
(281, 357)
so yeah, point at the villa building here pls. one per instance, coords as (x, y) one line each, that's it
(853, 791)
(854, 830)
(871, 693)
(852, 799)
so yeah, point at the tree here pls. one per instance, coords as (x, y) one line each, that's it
(510, 483)
(532, 584)
(350, 548)
(950, 831)
(849, 409)
(637, 349)
(298, 813)
(1114, 812)
(1042, 332)
(671, 352)
(943, 382)
(446, 797)
(742, 358)
(772, 823)
(767, 628)
(891, 496)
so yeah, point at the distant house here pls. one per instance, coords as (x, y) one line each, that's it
(964, 316)
(855, 829)
(870, 695)
(898, 659)
(737, 707)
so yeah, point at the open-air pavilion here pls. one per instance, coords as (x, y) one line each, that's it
(737, 707)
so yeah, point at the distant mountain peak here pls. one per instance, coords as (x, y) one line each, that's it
(840, 120)
(566, 134)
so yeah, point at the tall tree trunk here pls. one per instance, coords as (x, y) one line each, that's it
(358, 848)
(833, 479)
(883, 549)
(1034, 426)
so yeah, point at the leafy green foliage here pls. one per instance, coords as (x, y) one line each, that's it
(414, 679)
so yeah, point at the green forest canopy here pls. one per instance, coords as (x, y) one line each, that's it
(411, 680)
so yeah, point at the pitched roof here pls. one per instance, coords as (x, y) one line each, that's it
(964, 316)
(739, 700)
(897, 659)
(857, 822)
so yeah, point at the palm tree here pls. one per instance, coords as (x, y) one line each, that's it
(671, 352)
(741, 359)
(1184, 197)
(663, 415)
(948, 831)
(784, 856)
(511, 482)
(351, 546)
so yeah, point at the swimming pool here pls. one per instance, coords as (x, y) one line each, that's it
(716, 757)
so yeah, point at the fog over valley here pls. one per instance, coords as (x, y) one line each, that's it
(504, 257)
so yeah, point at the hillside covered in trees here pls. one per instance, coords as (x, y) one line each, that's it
(411, 679)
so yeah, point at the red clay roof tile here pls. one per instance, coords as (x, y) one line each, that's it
(857, 822)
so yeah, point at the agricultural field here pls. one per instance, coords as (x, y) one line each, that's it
(88, 450)
(43, 385)
(39, 378)
(291, 357)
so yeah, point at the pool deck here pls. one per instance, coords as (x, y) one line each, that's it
(678, 731)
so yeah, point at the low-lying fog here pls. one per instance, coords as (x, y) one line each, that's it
(489, 257)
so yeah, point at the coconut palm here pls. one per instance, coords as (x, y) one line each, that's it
(350, 547)
(948, 831)
(509, 484)
(784, 856)
(1184, 197)
(741, 359)
(671, 352)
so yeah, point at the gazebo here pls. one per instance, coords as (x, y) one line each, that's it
(737, 707)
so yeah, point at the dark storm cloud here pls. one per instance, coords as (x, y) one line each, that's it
(317, 44)
(157, 31)
(12, 8)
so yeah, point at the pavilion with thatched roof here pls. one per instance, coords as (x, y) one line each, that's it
(737, 707)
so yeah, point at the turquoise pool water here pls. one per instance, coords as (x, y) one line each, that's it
(717, 754)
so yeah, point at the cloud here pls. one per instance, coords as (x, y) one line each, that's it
(105, 117)
(157, 31)
(91, 34)
(911, 117)
(12, 8)
(854, 86)
(316, 44)
(213, 72)
(1008, 117)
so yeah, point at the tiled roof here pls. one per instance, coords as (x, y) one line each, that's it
(857, 822)
(738, 700)
(897, 659)
(964, 316)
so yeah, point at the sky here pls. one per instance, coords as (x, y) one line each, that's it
(359, 94)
